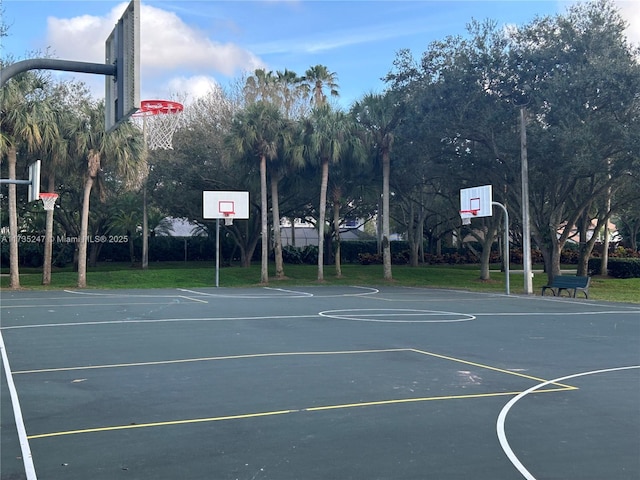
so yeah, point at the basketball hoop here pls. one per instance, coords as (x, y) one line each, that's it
(473, 212)
(465, 215)
(158, 120)
(48, 200)
(228, 219)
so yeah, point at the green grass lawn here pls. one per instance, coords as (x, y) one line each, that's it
(202, 274)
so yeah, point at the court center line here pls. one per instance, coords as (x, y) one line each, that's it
(502, 437)
(27, 458)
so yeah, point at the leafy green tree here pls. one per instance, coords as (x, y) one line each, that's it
(66, 100)
(284, 91)
(582, 80)
(125, 218)
(379, 115)
(459, 128)
(318, 78)
(120, 149)
(256, 132)
(328, 139)
(26, 121)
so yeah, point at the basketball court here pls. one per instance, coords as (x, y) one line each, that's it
(309, 382)
(319, 382)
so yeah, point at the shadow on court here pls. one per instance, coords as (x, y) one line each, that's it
(318, 383)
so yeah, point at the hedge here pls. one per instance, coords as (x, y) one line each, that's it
(624, 267)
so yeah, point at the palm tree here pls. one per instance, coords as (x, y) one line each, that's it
(121, 149)
(317, 78)
(125, 219)
(259, 87)
(25, 122)
(67, 98)
(379, 115)
(54, 159)
(328, 139)
(290, 92)
(257, 132)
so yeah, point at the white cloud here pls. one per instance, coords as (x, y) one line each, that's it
(193, 87)
(168, 43)
(630, 10)
(168, 47)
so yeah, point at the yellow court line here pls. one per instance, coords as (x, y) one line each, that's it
(428, 399)
(207, 359)
(160, 424)
(284, 412)
(488, 367)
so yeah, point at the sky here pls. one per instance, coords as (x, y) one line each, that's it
(189, 47)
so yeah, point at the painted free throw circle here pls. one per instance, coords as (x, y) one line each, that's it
(396, 315)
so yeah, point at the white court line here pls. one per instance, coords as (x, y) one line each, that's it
(301, 294)
(294, 293)
(27, 458)
(97, 294)
(159, 320)
(505, 410)
(559, 314)
(240, 296)
(365, 314)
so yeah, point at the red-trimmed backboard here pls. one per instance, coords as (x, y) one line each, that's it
(221, 204)
(476, 202)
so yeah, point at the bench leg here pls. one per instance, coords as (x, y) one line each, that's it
(553, 291)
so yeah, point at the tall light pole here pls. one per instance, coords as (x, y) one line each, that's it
(526, 227)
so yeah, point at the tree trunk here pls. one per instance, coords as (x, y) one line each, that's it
(552, 260)
(277, 238)
(336, 228)
(48, 238)
(487, 243)
(132, 254)
(322, 213)
(583, 247)
(604, 261)
(14, 272)
(145, 228)
(485, 274)
(264, 269)
(604, 265)
(93, 162)
(386, 246)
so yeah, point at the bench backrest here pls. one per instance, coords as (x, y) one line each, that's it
(567, 281)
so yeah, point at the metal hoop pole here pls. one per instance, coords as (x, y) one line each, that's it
(505, 247)
(217, 252)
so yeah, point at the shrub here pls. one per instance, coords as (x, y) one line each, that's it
(624, 267)
(369, 258)
(292, 255)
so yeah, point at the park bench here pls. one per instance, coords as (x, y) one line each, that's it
(568, 283)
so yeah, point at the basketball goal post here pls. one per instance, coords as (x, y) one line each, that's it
(477, 202)
(227, 206)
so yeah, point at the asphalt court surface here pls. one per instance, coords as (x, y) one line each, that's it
(319, 382)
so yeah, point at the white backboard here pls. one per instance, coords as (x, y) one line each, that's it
(220, 204)
(476, 200)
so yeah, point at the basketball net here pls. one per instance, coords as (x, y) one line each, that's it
(48, 200)
(158, 120)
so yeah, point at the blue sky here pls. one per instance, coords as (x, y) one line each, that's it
(188, 46)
